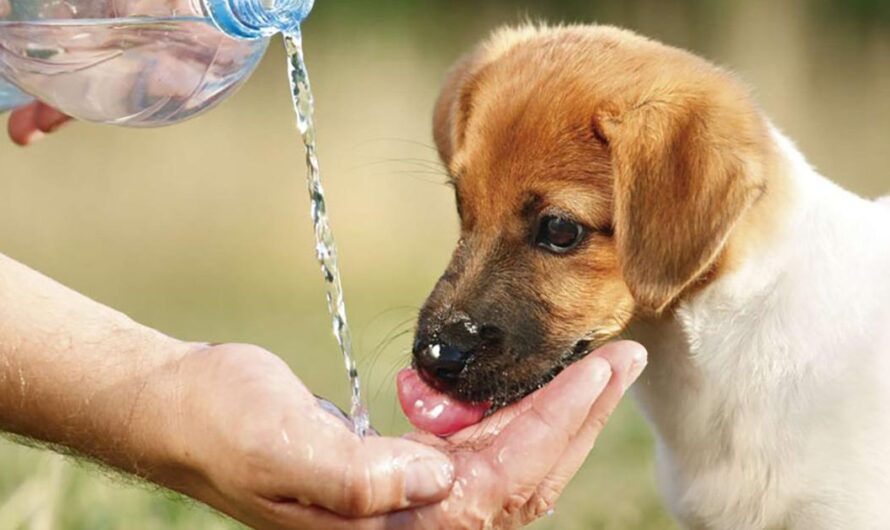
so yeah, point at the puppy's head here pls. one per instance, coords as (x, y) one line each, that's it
(598, 177)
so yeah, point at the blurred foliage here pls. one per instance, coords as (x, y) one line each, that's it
(865, 11)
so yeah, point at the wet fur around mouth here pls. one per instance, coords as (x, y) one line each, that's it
(501, 395)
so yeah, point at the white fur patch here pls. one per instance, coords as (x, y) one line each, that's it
(770, 389)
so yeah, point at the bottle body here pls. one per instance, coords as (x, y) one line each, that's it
(11, 96)
(126, 62)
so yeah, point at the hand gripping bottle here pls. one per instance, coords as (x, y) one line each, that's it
(140, 63)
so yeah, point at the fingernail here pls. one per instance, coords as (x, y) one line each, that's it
(54, 125)
(428, 479)
(640, 360)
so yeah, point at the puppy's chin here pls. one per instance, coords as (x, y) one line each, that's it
(492, 382)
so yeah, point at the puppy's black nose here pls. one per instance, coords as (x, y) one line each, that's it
(441, 364)
(443, 356)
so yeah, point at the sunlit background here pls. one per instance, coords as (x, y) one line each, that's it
(202, 230)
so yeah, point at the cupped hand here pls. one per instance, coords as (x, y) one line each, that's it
(31, 122)
(258, 446)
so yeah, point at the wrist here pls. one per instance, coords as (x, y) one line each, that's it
(77, 374)
(161, 428)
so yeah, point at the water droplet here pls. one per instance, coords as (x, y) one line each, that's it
(457, 489)
(437, 411)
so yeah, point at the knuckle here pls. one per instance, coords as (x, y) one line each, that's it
(248, 447)
(472, 521)
(357, 496)
(515, 503)
(256, 460)
(536, 507)
(545, 498)
(597, 423)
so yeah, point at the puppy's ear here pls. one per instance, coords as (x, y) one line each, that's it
(685, 168)
(453, 106)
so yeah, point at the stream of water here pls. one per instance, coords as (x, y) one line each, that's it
(325, 246)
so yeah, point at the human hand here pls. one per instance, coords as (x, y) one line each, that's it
(31, 122)
(509, 469)
(251, 441)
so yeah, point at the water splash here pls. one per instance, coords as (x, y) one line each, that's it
(325, 247)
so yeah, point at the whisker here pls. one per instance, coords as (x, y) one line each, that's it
(429, 164)
(402, 140)
(378, 352)
(416, 176)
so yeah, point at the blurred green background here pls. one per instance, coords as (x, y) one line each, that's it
(202, 230)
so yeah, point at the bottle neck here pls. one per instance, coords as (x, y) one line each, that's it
(255, 19)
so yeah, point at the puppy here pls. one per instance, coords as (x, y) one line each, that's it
(610, 185)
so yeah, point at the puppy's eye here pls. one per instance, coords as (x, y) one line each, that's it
(559, 235)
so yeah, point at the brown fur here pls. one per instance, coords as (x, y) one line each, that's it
(660, 153)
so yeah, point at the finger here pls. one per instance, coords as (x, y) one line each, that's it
(359, 478)
(486, 430)
(530, 446)
(494, 424)
(291, 515)
(22, 125)
(628, 360)
(5, 8)
(48, 119)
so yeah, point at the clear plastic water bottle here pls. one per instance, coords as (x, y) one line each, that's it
(139, 63)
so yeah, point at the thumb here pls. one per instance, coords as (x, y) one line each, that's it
(377, 475)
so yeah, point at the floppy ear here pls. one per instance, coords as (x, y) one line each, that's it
(453, 106)
(685, 170)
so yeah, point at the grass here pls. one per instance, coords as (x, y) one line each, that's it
(202, 230)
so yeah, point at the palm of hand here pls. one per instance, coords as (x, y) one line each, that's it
(267, 453)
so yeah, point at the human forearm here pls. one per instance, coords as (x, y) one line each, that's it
(76, 373)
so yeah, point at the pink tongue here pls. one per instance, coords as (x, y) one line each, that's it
(432, 411)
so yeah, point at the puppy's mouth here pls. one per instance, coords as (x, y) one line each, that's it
(433, 411)
(436, 412)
